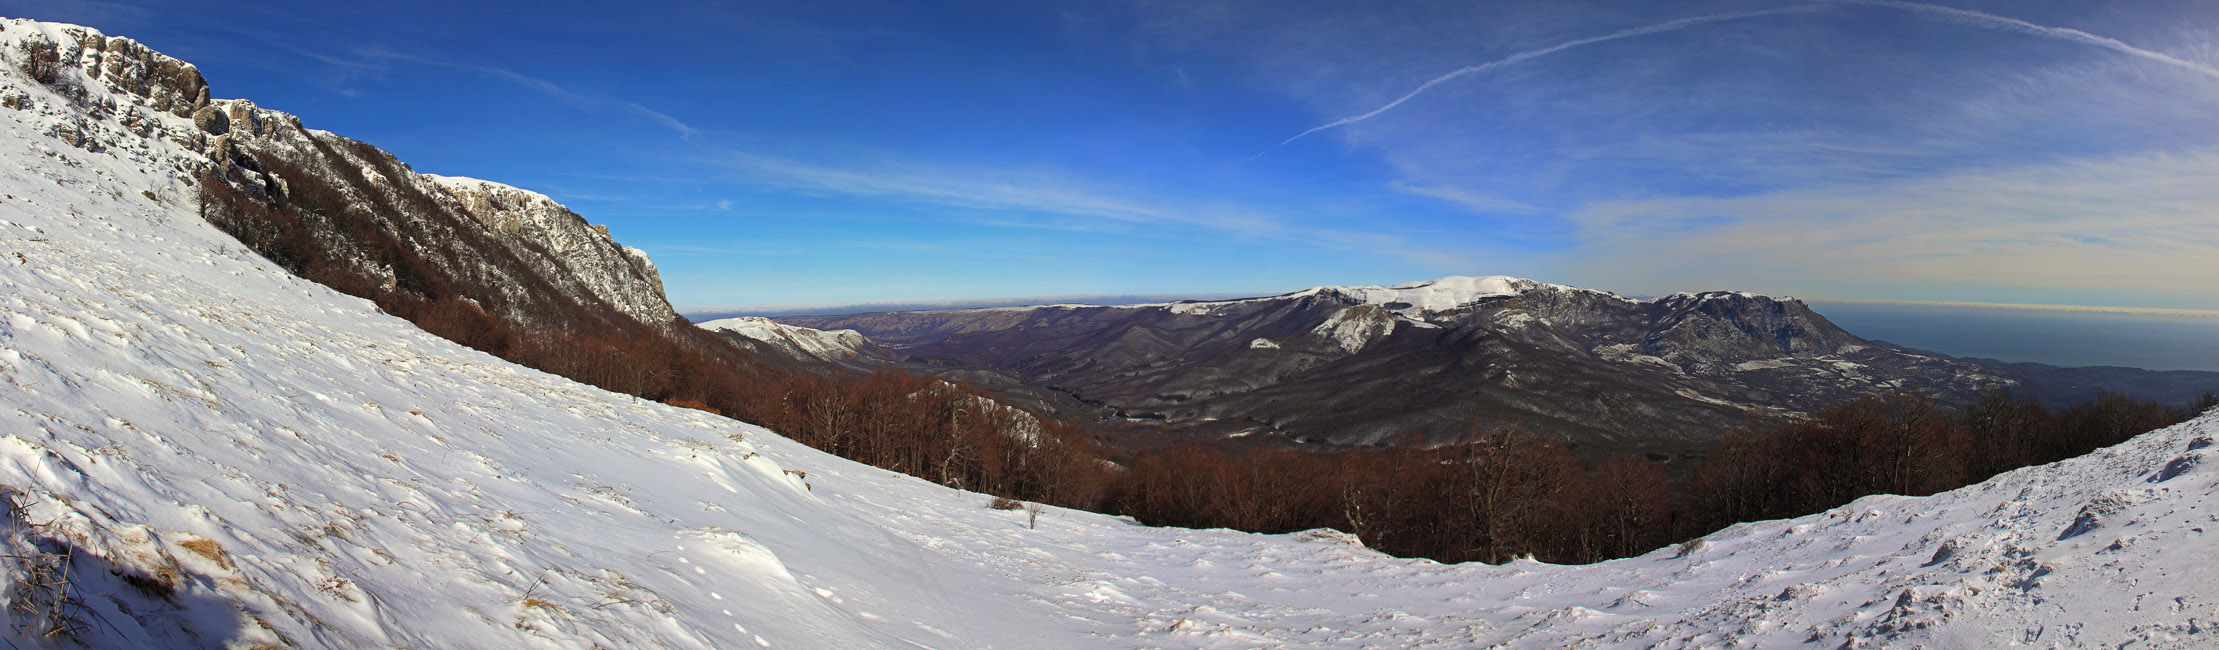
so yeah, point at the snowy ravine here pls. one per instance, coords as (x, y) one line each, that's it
(303, 470)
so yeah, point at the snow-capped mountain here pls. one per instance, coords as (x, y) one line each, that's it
(199, 449)
(1356, 365)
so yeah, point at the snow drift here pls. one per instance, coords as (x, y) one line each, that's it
(218, 454)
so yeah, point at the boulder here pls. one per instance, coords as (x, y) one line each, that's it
(212, 121)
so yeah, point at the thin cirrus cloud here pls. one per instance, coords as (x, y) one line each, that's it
(370, 60)
(583, 99)
(2147, 223)
(1873, 153)
(1034, 199)
(1965, 16)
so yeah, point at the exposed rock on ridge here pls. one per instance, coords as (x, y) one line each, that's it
(619, 275)
(334, 203)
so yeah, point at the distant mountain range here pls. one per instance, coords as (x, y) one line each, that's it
(1426, 361)
(706, 314)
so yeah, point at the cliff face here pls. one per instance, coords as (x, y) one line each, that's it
(554, 238)
(330, 208)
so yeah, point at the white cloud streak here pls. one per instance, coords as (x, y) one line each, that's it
(1658, 28)
(373, 60)
(559, 91)
(1964, 16)
(2007, 23)
(1046, 200)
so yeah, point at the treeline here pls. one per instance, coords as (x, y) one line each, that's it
(1505, 493)
(1903, 443)
(949, 433)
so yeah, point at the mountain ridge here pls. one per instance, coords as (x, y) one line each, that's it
(1661, 375)
(312, 198)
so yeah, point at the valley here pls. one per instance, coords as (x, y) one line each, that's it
(1424, 363)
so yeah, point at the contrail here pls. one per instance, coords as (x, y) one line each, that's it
(2060, 33)
(1966, 16)
(1682, 23)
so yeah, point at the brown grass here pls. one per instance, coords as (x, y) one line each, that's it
(695, 404)
(208, 548)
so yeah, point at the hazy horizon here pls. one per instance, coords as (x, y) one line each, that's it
(2059, 335)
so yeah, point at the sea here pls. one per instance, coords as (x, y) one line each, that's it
(2055, 337)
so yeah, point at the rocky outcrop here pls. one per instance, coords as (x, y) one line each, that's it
(311, 199)
(618, 275)
(211, 121)
(122, 66)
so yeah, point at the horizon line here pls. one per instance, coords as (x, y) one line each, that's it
(922, 304)
(2148, 311)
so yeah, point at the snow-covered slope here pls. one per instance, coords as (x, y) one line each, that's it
(277, 463)
(793, 339)
(368, 217)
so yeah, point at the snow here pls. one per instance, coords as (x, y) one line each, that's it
(322, 475)
(1262, 344)
(1441, 295)
(1715, 295)
(1632, 353)
(834, 344)
(1413, 300)
(1353, 328)
(1762, 364)
(468, 183)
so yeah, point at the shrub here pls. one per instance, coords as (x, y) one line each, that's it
(40, 59)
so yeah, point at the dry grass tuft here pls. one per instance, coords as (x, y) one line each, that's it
(208, 548)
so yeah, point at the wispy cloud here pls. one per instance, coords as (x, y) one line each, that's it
(1965, 16)
(375, 60)
(1658, 28)
(2068, 34)
(1035, 199)
(1464, 198)
(583, 99)
(2142, 223)
(989, 189)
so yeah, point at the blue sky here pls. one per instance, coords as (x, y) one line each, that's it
(2048, 152)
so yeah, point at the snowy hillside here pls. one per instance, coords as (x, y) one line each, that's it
(1414, 300)
(794, 340)
(269, 461)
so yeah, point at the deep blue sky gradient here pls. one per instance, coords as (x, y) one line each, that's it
(828, 152)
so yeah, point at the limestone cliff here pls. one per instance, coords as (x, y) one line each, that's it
(334, 209)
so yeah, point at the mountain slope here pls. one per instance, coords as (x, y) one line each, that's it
(801, 346)
(270, 461)
(1359, 365)
(333, 209)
